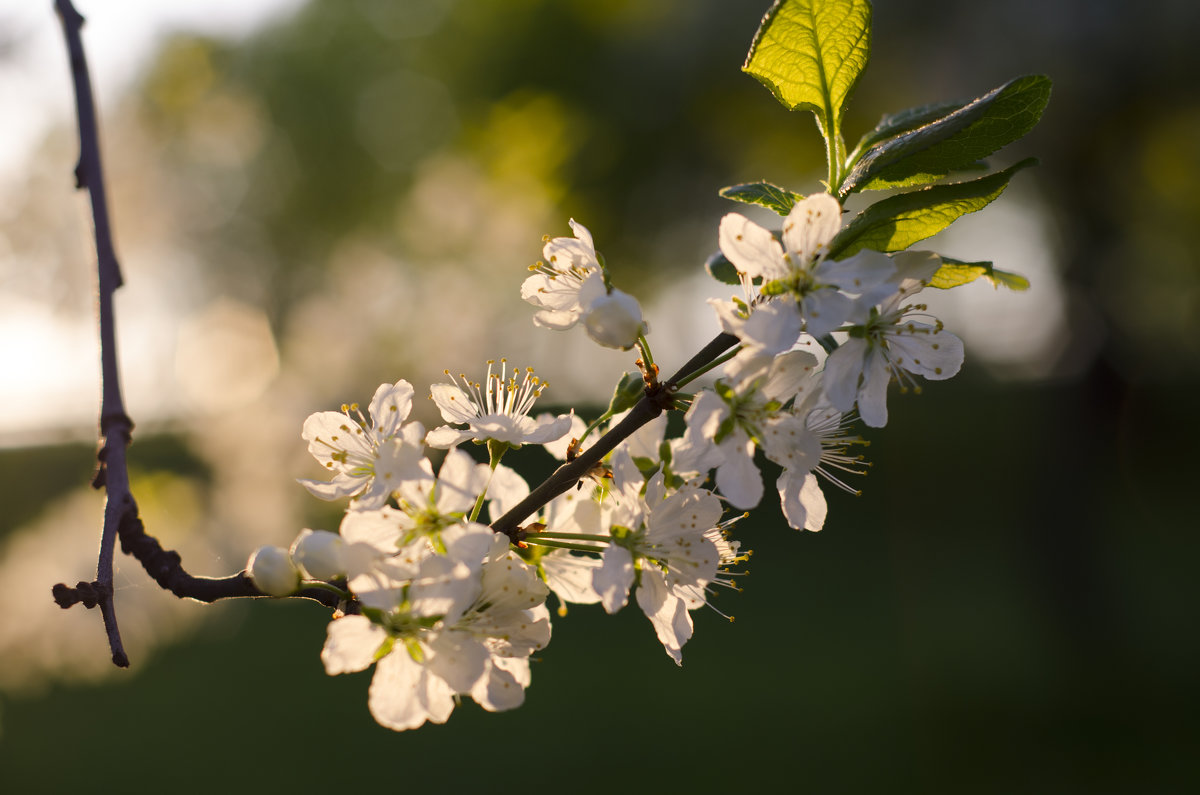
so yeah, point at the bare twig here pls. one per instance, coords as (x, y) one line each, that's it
(115, 425)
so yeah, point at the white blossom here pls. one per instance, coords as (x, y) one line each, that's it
(556, 283)
(806, 290)
(661, 542)
(367, 459)
(498, 411)
(887, 343)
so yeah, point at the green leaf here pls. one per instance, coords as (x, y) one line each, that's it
(628, 392)
(764, 194)
(955, 273)
(720, 268)
(896, 123)
(897, 222)
(810, 54)
(955, 141)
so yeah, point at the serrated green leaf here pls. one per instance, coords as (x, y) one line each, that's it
(954, 141)
(629, 391)
(810, 53)
(955, 273)
(720, 268)
(897, 222)
(776, 199)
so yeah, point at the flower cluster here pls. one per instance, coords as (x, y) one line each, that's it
(444, 606)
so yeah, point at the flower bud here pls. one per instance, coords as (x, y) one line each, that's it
(273, 572)
(319, 553)
(615, 320)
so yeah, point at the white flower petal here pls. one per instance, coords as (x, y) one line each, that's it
(810, 226)
(500, 688)
(571, 577)
(445, 437)
(788, 374)
(802, 500)
(872, 395)
(825, 311)
(350, 644)
(857, 274)
(842, 370)
(455, 404)
(404, 694)
(389, 408)
(342, 485)
(738, 478)
(752, 249)
(458, 658)
(928, 351)
(773, 327)
(614, 578)
(669, 615)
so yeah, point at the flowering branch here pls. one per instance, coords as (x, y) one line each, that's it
(444, 606)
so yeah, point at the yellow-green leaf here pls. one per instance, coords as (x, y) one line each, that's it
(898, 221)
(955, 273)
(810, 54)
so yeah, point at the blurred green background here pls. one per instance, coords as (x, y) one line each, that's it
(351, 194)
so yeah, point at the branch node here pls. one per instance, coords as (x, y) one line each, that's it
(88, 594)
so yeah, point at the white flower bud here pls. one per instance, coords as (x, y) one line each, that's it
(273, 572)
(615, 320)
(319, 553)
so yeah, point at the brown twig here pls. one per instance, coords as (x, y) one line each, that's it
(115, 425)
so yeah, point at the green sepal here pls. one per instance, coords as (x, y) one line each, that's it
(776, 199)
(955, 273)
(956, 141)
(810, 54)
(778, 287)
(628, 392)
(895, 223)
(720, 268)
(647, 466)
(384, 649)
(414, 650)
(727, 426)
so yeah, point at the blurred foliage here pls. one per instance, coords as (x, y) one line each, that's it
(632, 115)
(628, 114)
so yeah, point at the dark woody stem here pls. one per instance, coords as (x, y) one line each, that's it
(115, 426)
